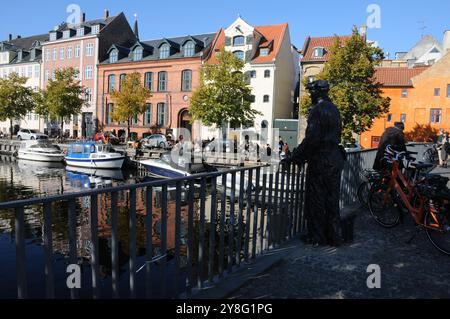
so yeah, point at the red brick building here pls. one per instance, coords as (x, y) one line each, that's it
(170, 68)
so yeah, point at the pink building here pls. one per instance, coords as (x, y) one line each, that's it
(82, 46)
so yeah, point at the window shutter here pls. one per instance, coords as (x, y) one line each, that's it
(248, 56)
(227, 41)
(250, 39)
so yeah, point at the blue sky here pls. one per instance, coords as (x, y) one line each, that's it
(401, 20)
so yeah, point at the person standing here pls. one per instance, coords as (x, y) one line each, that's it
(442, 152)
(325, 157)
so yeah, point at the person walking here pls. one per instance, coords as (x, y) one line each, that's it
(325, 157)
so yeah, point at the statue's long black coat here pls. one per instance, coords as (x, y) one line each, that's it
(320, 149)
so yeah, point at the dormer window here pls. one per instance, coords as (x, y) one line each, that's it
(138, 54)
(96, 29)
(164, 51)
(66, 34)
(19, 56)
(189, 49)
(53, 36)
(240, 55)
(238, 40)
(80, 32)
(318, 52)
(264, 52)
(113, 56)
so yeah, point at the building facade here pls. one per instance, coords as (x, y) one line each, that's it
(271, 64)
(81, 47)
(23, 56)
(169, 67)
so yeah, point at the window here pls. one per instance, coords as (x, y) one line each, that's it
(264, 52)
(37, 71)
(62, 54)
(80, 32)
(161, 110)
(55, 54)
(69, 52)
(238, 40)
(148, 114)
(162, 81)
(66, 34)
(403, 118)
(30, 72)
(138, 54)
(189, 49)
(113, 56)
(77, 51)
(253, 74)
(53, 36)
(77, 73)
(389, 118)
(448, 90)
(96, 29)
(90, 49)
(186, 80)
(88, 95)
(239, 54)
(122, 78)
(109, 112)
(111, 83)
(135, 120)
(148, 80)
(436, 116)
(89, 72)
(318, 52)
(266, 99)
(404, 92)
(47, 55)
(252, 98)
(267, 73)
(47, 75)
(164, 51)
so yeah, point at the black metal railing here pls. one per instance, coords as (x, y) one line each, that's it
(215, 223)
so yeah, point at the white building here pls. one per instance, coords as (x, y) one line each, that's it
(23, 56)
(271, 66)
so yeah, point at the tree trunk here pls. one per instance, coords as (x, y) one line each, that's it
(11, 130)
(61, 135)
(129, 130)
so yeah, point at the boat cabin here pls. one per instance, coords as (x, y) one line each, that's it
(85, 150)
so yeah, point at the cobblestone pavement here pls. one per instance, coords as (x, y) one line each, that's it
(415, 270)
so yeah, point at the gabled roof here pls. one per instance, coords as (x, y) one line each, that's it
(320, 42)
(268, 34)
(422, 47)
(397, 76)
(89, 23)
(27, 43)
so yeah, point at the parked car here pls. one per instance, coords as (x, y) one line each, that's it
(26, 134)
(155, 141)
(103, 136)
(349, 147)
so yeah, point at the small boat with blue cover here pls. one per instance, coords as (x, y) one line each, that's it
(94, 155)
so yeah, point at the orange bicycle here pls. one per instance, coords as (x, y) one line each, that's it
(425, 196)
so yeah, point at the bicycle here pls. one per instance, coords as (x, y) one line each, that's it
(424, 196)
(431, 154)
(370, 177)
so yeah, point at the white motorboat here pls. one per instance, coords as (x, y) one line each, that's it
(41, 151)
(94, 155)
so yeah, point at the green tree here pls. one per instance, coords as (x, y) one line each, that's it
(223, 95)
(130, 100)
(16, 100)
(63, 97)
(350, 72)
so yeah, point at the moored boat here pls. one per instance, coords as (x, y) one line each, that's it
(94, 155)
(40, 151)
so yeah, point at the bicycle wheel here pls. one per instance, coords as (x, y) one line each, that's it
(437, 225)
(383, 207)
(363, 194)
(431, 156)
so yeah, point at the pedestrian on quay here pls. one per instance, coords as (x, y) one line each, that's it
(325, 157)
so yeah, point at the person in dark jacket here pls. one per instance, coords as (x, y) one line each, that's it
(325, 157)
(394, 137)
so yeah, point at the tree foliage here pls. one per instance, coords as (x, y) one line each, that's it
(422, 133)
(223, 95)
(16, 99)
(63, 97)
(130, 100)
(350, 72)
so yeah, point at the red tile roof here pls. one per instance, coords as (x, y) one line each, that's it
(320, 42)
(397, 77)
(270, 33)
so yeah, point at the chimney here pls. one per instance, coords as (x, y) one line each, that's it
(10, 37)
(19, 37)
(83, 17)
(446, 41)
(106, 15)
(363, 31)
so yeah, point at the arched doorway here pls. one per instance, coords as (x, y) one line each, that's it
(184, 120)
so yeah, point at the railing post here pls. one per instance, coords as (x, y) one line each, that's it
(164, 241)
(212, 230)
(190, 248)
(255, 213)
(223, 206)
(242, 195)
(114, 245)
(263, 210)
(201, 245)
(248, 217)
(231, 227)
(73, 254)
(177, 238)
(48, 252)
(132, 238)
(94, 252)
(269, 232)
(22, 292)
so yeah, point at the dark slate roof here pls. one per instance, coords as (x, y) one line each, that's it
(27, 43)
(152, 47)
(26, 57)
(89, 24)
